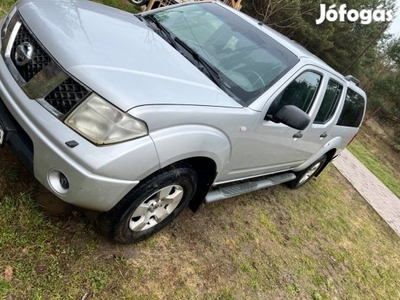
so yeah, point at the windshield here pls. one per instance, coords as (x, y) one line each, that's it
(246, 59)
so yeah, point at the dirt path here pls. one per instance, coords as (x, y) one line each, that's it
(371, 188)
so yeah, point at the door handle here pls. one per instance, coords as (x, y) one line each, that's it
(298, 135)
(324, 135)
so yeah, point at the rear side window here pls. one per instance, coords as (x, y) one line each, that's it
(329, 103)
(301, 93)
(353, 110)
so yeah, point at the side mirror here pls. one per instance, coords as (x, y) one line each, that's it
(291, 116)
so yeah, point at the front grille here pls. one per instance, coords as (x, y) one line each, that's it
(41, 77)
(66, 95)
(40, 58)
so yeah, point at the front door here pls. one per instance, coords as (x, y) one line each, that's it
(274, 147)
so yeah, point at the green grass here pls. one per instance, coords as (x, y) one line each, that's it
(47, 258)
(320, 242)
(5, 6)
(121, 4)
(377, 163)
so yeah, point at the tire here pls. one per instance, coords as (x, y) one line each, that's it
(153, 204)
(139, 2)
(305, 176)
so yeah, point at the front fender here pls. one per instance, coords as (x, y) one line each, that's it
(181, 142)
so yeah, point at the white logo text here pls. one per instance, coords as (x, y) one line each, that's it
(352, 15)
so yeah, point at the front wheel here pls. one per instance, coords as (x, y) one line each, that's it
(304, 176)
(153, 204)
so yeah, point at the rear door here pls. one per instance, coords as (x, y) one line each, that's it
(319, 132)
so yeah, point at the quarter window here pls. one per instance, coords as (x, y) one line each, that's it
(329, 103)
(353, 110)
(301, 93)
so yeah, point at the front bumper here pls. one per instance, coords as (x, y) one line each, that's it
(16, 137)
(98, 177)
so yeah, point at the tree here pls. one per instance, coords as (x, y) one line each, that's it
(393, 52)
(337, 43)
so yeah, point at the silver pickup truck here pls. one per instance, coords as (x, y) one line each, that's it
(138, 116)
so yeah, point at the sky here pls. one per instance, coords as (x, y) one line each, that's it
(395, 27)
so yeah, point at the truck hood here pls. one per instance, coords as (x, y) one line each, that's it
(117, 56)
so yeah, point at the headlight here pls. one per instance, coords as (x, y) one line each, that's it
(102, 123)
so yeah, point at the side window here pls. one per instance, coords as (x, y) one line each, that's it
(353, 110)
(329, 103)
(301, 93)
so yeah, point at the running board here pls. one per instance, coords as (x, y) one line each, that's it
(225, 192)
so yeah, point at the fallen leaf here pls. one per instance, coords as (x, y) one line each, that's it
(8, 273)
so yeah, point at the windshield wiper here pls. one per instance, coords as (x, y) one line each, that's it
(213, 73)
(202, 64)
(162, 29)
(139, 17)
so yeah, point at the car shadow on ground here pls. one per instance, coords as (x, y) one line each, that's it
(16, 180)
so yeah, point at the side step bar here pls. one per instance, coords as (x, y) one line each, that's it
(225, 192)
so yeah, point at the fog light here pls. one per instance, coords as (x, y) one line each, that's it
(58, 181)
(64, 181)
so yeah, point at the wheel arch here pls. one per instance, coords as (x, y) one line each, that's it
(189, 141)
(205, 148)
(329, 156)
(206, 170)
